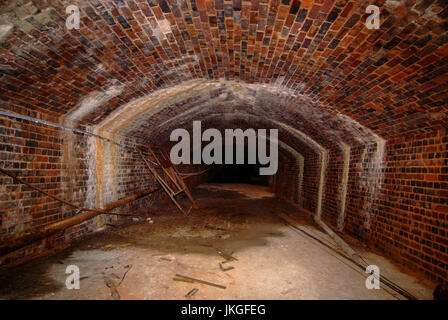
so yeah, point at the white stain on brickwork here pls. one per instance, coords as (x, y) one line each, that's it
(145, 107)
(99, 68)
(370, 169)
(392, 4)
(371, 176)
(93, 100)
(25, 16)
(431, 13)
(91, 194)
(161, 28)
(5, 30)
(86, 106)
(345, 149)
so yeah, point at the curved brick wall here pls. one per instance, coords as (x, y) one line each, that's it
(362, 113)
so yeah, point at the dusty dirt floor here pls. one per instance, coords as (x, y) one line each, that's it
(138, 260)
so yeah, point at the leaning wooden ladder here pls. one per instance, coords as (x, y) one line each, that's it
(163, 170)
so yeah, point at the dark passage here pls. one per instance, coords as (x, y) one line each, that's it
(239, 173)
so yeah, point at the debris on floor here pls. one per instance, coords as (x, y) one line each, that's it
(191, 293)
(113, 288)
(223, 268)
(115, 276)
(180, 277)
(128, 267)
(169, 258)
(226, 256)
(112, 285)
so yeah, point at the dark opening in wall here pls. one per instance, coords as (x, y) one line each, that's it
(239, 173)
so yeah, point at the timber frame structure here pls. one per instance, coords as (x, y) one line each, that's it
(168, 177)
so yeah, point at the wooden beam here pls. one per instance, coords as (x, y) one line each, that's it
(10, 244)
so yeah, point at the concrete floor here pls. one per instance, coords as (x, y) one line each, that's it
(274, 261)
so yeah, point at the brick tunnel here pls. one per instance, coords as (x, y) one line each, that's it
(362, 171)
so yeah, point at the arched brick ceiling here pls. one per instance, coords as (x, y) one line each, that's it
(392, 80)
(287, 135)
(291, 148)
(152, 118)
